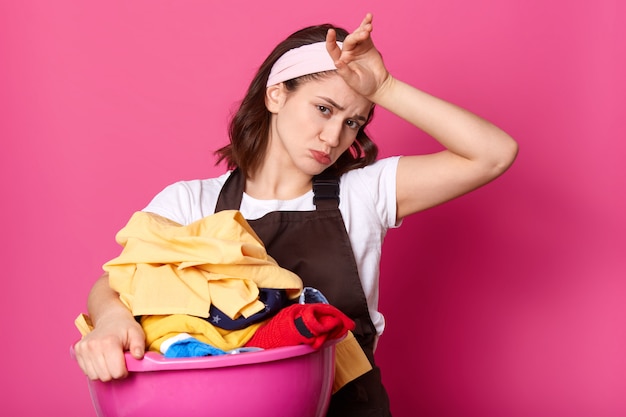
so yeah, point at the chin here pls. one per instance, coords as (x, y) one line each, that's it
(313, 169)
(320, 170)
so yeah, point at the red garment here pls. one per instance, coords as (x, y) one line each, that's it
(310, 324)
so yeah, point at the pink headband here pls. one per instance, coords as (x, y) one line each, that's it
(305, 60)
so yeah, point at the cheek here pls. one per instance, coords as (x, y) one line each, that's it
(347, 141)
(289, 121)
(302, 119)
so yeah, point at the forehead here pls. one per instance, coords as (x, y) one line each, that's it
(333, 87)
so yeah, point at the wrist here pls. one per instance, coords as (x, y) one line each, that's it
(114, 312)
(384, 90)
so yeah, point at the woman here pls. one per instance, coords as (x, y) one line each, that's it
(305, 175)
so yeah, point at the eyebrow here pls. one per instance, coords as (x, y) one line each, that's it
(336, 105)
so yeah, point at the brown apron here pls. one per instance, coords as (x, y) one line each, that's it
(315, 246)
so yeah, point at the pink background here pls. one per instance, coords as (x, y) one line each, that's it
(510, 301)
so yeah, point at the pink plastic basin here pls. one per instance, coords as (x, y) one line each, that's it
(293, 381)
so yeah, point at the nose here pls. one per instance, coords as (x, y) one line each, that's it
(331, 133)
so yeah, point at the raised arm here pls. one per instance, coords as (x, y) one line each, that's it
(476, 151)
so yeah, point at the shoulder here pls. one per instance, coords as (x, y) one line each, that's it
(369, 193)
(381, 170)
(187, 201)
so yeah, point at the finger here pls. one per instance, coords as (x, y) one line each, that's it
(360, 35)
(85, 360)
(86, 367)
(136, 343)
(331, 45)
(96, 368)
(90, 371)
(367, 22)
(105, 363)
(114, 365)
(365, 26)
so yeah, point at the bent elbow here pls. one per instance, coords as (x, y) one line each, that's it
(502, 157)
(509, 154)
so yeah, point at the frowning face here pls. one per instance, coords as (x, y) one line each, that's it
(313, 125)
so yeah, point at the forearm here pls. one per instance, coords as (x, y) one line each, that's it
(458, 130)
(103, 301)
(100, 353)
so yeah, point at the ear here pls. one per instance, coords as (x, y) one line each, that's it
(275, 97)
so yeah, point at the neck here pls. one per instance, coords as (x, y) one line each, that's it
(274, 183)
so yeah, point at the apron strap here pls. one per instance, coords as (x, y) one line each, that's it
(326, 192)
(231, 193)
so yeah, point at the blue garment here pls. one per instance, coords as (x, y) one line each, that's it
(191, 347)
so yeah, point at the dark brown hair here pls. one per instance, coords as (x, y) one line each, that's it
(249, 127)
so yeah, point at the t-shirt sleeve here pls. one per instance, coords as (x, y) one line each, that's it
(373, 189)
(187, 201)
(173, 202)
(387, 202)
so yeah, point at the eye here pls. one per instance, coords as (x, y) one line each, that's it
(353, 124)
(323, 109)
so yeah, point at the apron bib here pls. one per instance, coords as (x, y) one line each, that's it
(315, 246)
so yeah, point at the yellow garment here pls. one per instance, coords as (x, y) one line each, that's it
(83, 324)
(350, 361)
(166, 268)
(160, 328)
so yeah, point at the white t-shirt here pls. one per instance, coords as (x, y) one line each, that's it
(367, 202)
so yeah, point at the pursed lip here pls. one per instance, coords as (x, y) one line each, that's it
(321, 157)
